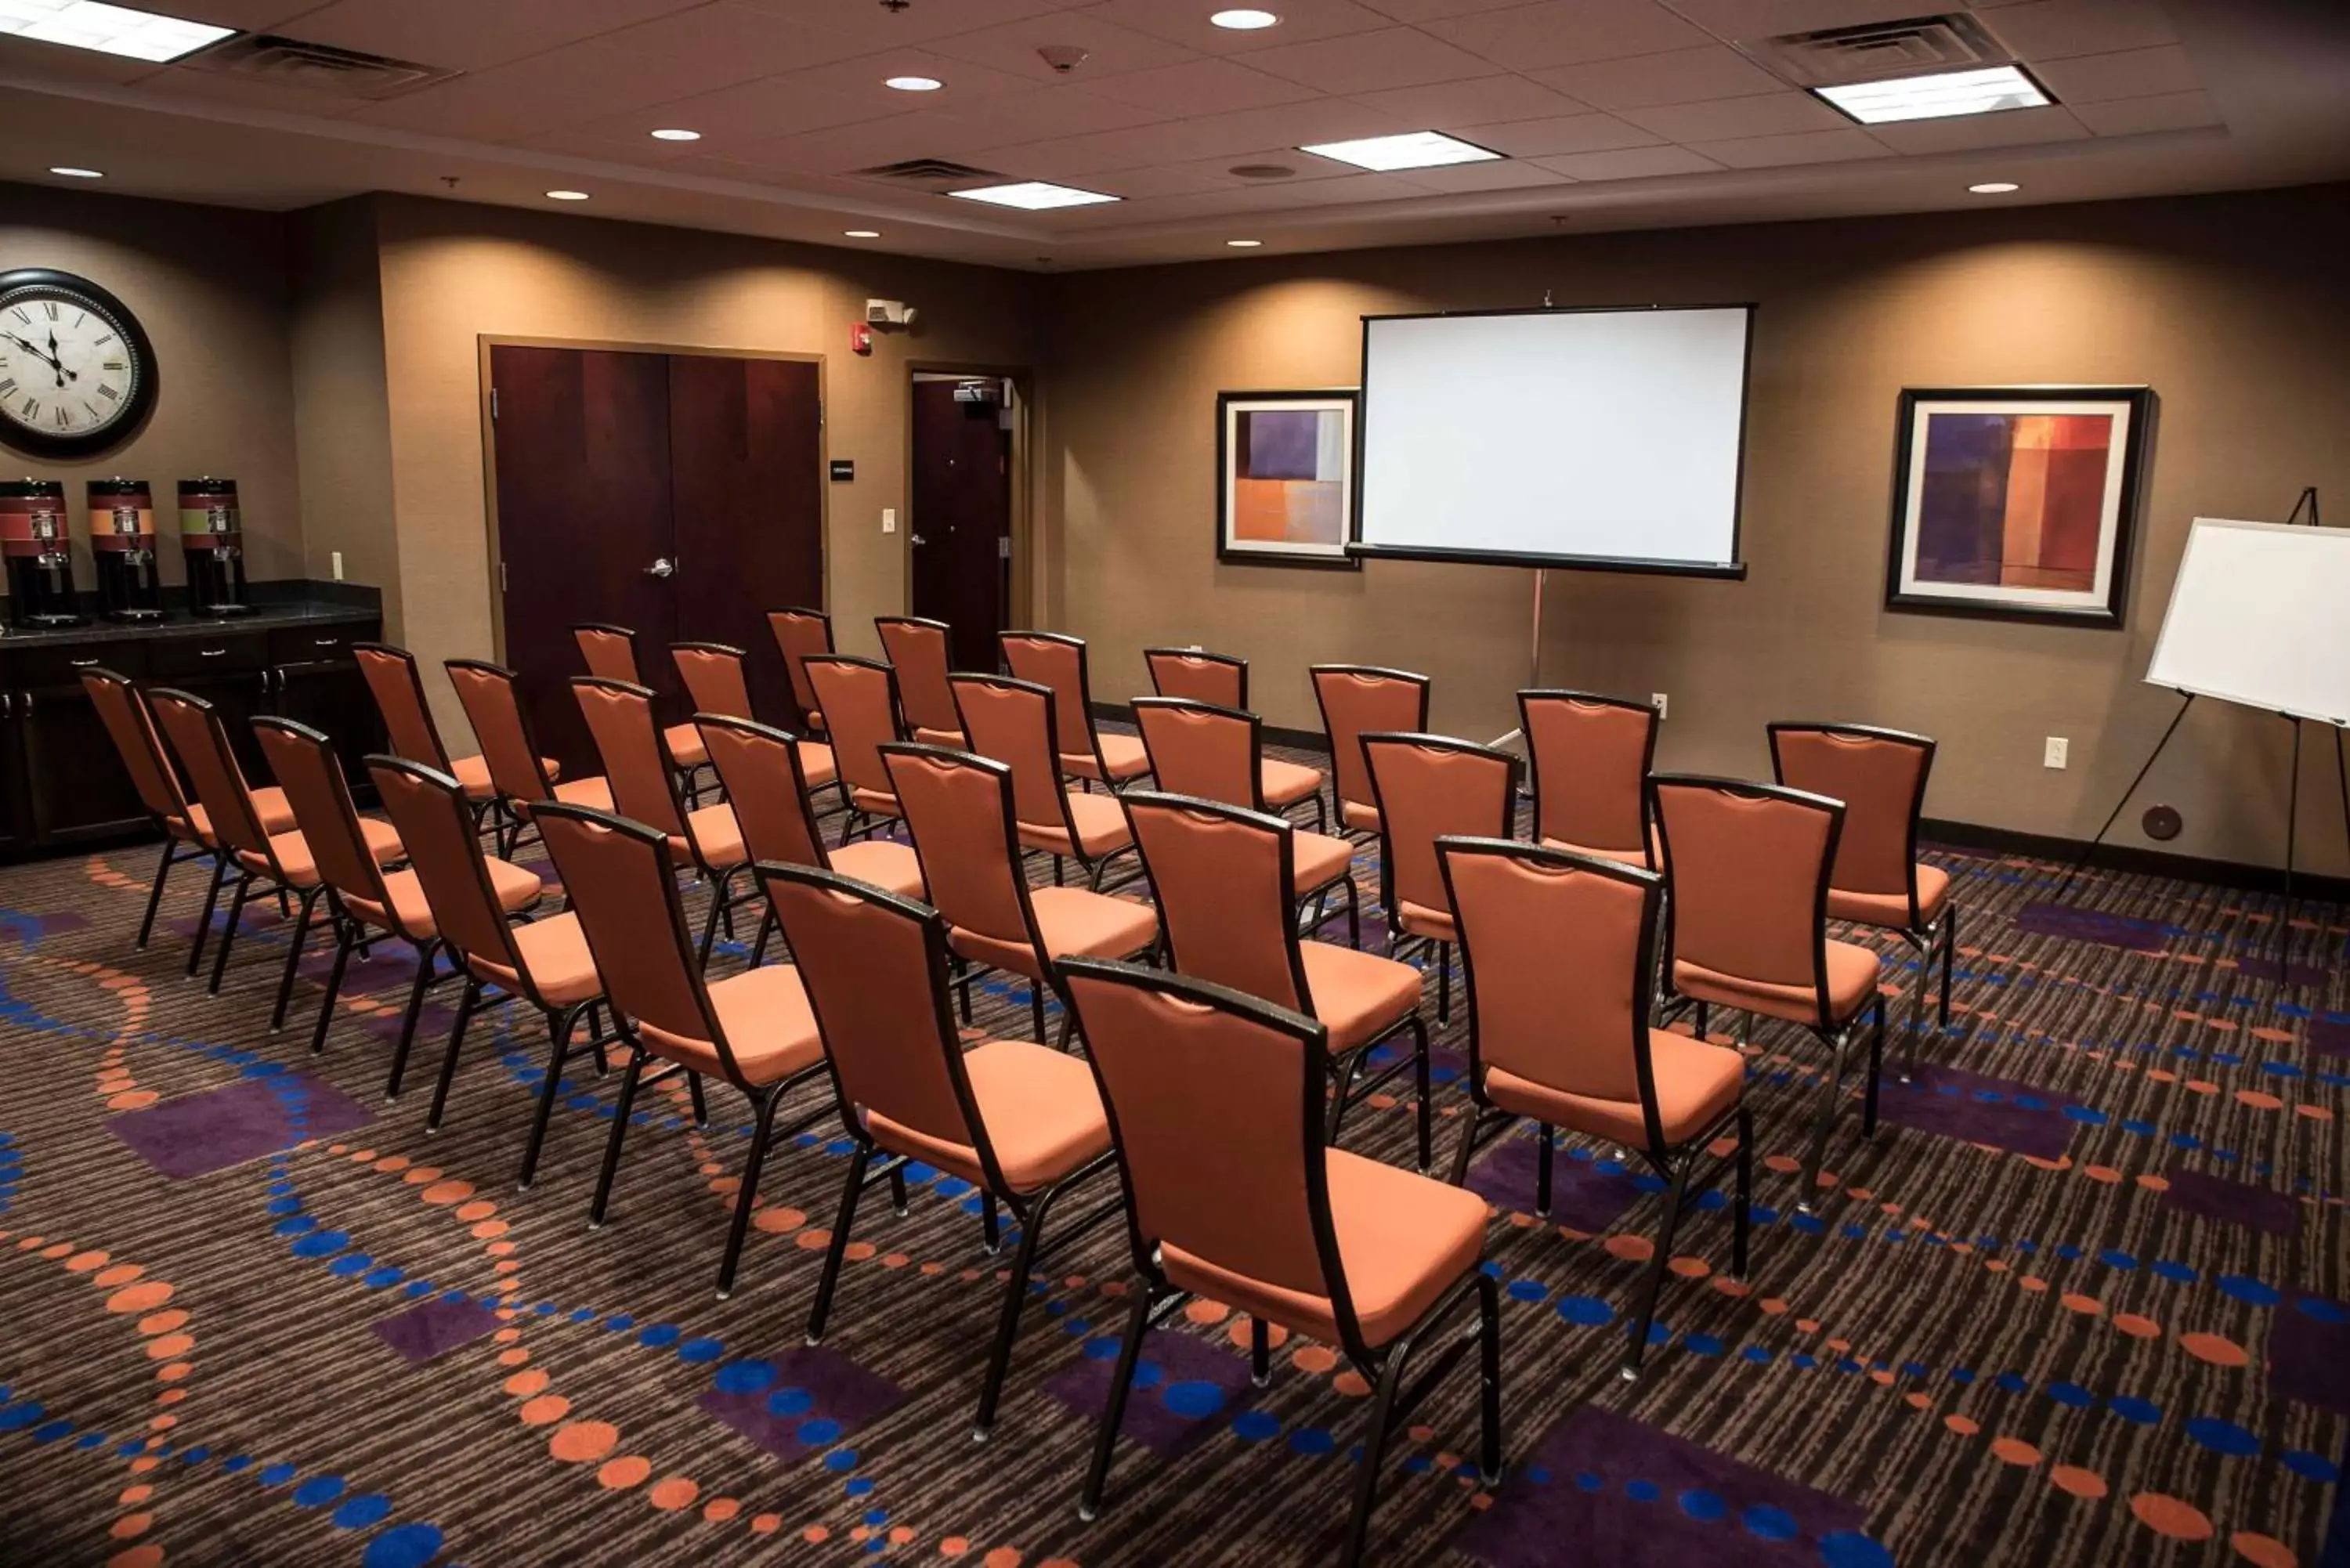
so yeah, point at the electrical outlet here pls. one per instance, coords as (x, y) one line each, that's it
(888, 520)
(339, 566)
(2057, 751)
(1659, 698)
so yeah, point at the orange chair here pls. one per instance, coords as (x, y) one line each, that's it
(752, 1029)
(860, 707)
(1558, 956)
(1218, 753)
(545, 962)
(959, 809)
(610, 652)
(1746, 927)
(1218, 680)
(187, 831)
(1275, 1223)
(1222, 878)
(801, 635)
(1587, 760)
(1356, 699)
(1878, 879)
(708, 838)
(714, 680)
(918, 651)
(522, 777)
(1013, 722)
(1427, 787)
(1022, 1123)
(397, 688)
(1058, 663)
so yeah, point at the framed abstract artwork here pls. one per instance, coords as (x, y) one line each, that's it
(1285, 478)
(2018, 502)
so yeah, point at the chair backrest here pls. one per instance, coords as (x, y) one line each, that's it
(611, 651)
(1216, 679)
(858, 698)
(493, 704)
(1588, 758)
(1215, 1105)
(619, 715)
(311, 775)
(1558, 953)
(1880, 775)
(200, 742)
(436, 829)
(1221, 877)
(800, 635)
(1749, 866)
(1057, 662)
(132, 729)
(713, 673)
(958, 808)
(1198, 748)
(875, 966)
(1356, 699)
(618, 877)
(1013, 722)
(397, 688)
(918, 651)
(767, 787)
(1427, 787)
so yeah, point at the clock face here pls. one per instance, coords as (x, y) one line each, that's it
(75, 373)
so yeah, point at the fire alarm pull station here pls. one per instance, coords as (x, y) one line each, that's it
(860, 339)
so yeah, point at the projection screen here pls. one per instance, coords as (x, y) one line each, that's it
(1595, 439)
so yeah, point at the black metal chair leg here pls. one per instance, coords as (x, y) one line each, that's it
(1138, 1324)
(701, 1101)
(204, 925)
(897, 1190)
(155, 894)
(759, 948)
(1744, 1203)
(465, 1005)
(1007, 1328)
(991, 1225)
(1917, 1002)
(345, 939)
(1653, 1278)
(1426, 1092)
(601, 1204)
(1545, 1151)
(236, 914)
(1036, 1007)
(1489, 1335)
(559, 1026)
(1949, 956)
(850, 1190)
(1375, 1443)
(293, 957)
(1260, 1352)
(1468, 1149)
(1354, 912)
(746, 1199)
(423, 983)
(1875, 1070)
(1831, 1092)
(709, 921)
(1444, 982)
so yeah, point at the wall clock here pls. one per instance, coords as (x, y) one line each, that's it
(76, 374)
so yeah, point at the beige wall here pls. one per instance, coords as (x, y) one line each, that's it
(2231, 307)
(210, 287)
(454, 274)
(342, 413)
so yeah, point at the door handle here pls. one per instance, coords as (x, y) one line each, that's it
(663, 568)
(919, 539)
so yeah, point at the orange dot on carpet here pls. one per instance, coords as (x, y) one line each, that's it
(546, 1408)
(672, 1492)
(2174, 1517)
(2263, 1550)
(490, 1229)
(2015, 1451)
(516, 1356)
(143, 1297)
(1207, 1312)
(813, 1240)
(1352, 1383)
(2136, 1327)
(83, 1263)
(2217, 1349)
(131, 1100)
(775, 1220)
(719, 1510)
(118, 1274)
(478, 1209)
(1632, 1248)
(1965, 1427)
(132, 1524)
(169, 1346)
(146, 1554)
(1314, 1358)
(162, 1321)
(765, 1524)
(523, 1384)
(577, 1443)
(1002, 1557)
(2077, 1481)
(816, 1534)
(953, 1546)
(630, 1470)
(173, 1374)
(2075, 1301)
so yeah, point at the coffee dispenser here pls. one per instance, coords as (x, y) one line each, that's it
(40, 555)
(122, 542)
(212, 536)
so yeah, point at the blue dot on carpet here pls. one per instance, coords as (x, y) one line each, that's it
(701, 1350)
(1192, 1401)
(403, 1546)
(1642, 1490)
(1769, 1522)
(742, 1376)
(2226, 1436)
(821, 1432)
(1256, 1427)
(1703, 1505)
(1851, 1549)
(1589, 1312)
(317, 1489)
(276, 1475)
(359, 1512)
(790, 1402)
(1311, 1441)
(2130, 1409)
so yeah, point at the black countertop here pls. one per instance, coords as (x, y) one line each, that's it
(180, 623)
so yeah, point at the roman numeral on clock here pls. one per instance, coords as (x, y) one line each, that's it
(109, 393)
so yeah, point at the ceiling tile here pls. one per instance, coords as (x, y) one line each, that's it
(730, 116)
(41, 62)
(2014, 128)
(1479, 101)
(1436, 10)
(1307, 167)
(2052, 29)
(1284, 124)
(1068, 157)
(1369, 62)
(1675, 76)
(185, 82)
(471, 36)
(1353, 188)
(1471, 177)
(1110, 50)
(1764, 114)
(1807, 147)
(2166, 111)
(2136, 73)
(1186, 23)
(763, 43)
(963, 84)
(246, 15)
(1136, 183)
(1550, 138)
(875, 28)
(1632, 163)
(1569, 32)
(565, 86)
(845, 149)
(1748, 19)
(1209, 85)
(1043, 112)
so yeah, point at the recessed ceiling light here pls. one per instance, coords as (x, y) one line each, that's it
(566, 195)
(1244, 21)
(1937, 97)
(862, 234)
(70, 173)
(676, 135)
(1245, 245)
(914, 84)
(1995, 188)
(1412, 150)
(1033, 196)
(108, 29)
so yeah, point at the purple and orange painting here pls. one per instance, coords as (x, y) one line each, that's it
(1288, 472)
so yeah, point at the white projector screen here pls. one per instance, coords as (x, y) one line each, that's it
(2260, 616)
(1609, 439)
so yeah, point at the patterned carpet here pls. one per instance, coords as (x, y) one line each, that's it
(2080, 1303)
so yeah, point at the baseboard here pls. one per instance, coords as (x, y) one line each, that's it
(2134, 859)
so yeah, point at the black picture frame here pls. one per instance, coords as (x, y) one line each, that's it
(134, 419)
(2106, 610)
(1336, 558)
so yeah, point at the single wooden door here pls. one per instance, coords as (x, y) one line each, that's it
(961, 523)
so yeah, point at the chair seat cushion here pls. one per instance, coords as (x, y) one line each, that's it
(816, 763)
(1852, 983)
(1317, 860)
(555, 950)
(301, 868)
(1358, 996)
(1286, 784)
(1403, 1241)
(1101, 824)
(954, 740)
(683, 744)
(1123, 755)
(1041, 1109)
(717, 835)
(1071, 922)
(874, 801)
(269, 804)
(768, 1024)
(1360, 815)
(1419, 920)
(1646, 860)
(883, 862)
(513, 886)
(1892, 909)
(473, 773)
(1696, 1082)
(595, 794)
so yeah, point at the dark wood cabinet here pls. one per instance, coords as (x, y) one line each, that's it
(332, 697)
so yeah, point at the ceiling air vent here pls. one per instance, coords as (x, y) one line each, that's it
(929, 170)
(319, 67)
(1263, 170)
(1879, 50)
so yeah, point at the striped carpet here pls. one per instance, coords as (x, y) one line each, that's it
(2082, 1302)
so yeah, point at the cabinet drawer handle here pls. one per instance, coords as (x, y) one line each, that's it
(210, 652)
(327, 643)
(82, 663)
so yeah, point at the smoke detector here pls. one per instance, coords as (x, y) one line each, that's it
(1064, 57)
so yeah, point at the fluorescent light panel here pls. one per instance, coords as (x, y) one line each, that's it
(1413, 150)
(1941, 96)
(1033, 196)
(108, 29)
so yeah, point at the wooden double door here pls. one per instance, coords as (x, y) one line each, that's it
(681, 495)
